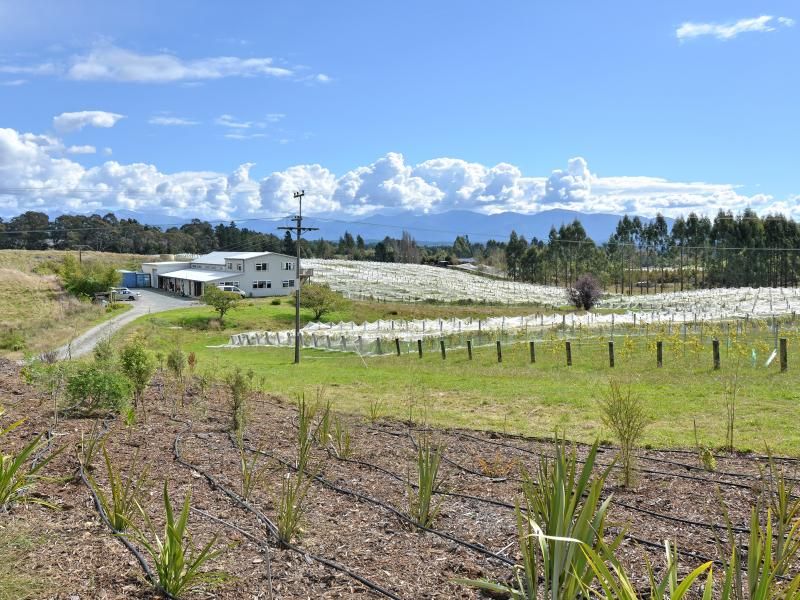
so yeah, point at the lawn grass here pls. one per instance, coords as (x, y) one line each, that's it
(515, 396)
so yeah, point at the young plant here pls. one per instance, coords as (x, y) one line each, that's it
(121, 506)
(238, 387)
(323, 431)
(177, 561)
(342, 439)
(253, 472)
(421, 504)
(732, 389)
(17, 477)
(615, 584)
(139, 365)
(305, 432)
(87, 447)
(561, 514)
(624, 414)
(291, 505)
(375, 411)
(176, 363)
(705, 456)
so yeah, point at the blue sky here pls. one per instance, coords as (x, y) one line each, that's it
(379, 106)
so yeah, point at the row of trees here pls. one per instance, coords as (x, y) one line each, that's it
(730, 250)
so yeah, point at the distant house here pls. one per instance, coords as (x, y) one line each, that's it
(258, 274)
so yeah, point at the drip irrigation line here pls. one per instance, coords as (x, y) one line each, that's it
(273, 529)
(580, 460)
(346, 492)
(123, 539)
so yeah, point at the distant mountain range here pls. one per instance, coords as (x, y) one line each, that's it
(444, 227)
(439, 228)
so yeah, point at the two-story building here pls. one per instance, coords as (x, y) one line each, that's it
(258, 274)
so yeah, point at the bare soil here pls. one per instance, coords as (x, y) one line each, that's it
(77, 556)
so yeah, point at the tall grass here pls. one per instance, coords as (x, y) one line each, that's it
(291, 505)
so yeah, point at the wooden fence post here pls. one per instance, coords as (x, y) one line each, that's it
(469, 349)
(715, 347)
(397, 344)
(533, 352)
(659, 354)
(499, 352)
(444, 354)
(784, 355)
(419, 347)
(568, 347)
(611, 354)
(378, 342)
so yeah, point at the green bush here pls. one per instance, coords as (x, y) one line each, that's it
(139, 365)
(86, 279)
(11, 339)
(92, 389)
(276, 302)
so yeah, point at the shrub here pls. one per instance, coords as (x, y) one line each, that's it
(104, 351)
(176, 362)
(624, 414)
(139, 365)
(11, 339)
(275, 302)
(586, 292)
(86, 279)
(93, 389)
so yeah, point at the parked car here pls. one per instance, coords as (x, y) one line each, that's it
(123, 293)
(232, 288)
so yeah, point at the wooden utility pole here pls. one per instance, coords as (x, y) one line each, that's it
(298, 229)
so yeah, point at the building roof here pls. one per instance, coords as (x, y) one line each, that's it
(218, 258)
(199, 274)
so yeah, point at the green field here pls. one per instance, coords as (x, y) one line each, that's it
(514, 396)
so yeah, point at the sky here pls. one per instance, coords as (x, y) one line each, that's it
(222, 110)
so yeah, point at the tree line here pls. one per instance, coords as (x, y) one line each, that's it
(639, 256)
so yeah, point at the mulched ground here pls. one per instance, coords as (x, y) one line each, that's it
(78, 557)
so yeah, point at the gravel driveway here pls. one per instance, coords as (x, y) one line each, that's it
(151, 301)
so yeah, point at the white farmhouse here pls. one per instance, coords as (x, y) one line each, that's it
(258, 274)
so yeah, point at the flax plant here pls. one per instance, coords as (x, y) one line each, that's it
(177, 562)
(122, 505)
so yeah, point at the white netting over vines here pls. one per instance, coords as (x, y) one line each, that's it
(363, 280)
(414, 283)
(391, 336)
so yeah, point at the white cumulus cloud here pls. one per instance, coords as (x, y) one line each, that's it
(81, 150)
(38, 172)
(728, 31)
(75, 121)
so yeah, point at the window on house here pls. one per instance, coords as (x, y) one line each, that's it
(288, 283)
(260, 285)
(239, 267)
(288, 266)
(229, 266)
(262, 266)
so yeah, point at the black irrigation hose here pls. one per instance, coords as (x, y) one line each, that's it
(406, 519)
(646, 471)
(264, 519)
(124, 540)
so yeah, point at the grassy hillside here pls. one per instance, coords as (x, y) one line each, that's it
(36, 314)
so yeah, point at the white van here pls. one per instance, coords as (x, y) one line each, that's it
(232, 288)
